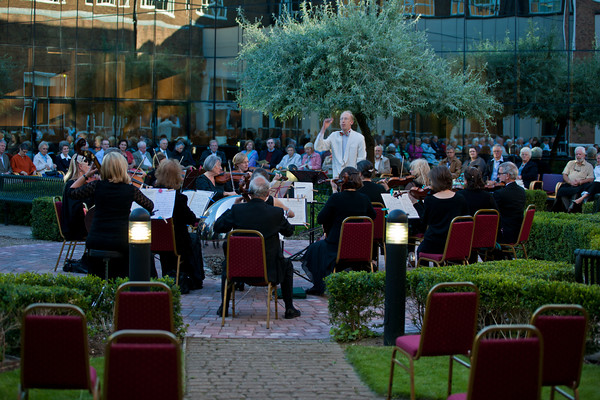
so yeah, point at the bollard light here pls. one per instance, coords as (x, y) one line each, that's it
(140, 227)
(396, 242)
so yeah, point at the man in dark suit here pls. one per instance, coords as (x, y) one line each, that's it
(271, 154)
(492, 166)
(269, 221)
(511, 204)
(163, 147)
(213, 148)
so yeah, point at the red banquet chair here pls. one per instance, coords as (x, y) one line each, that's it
(379, 231)
(142, 364)
(458, 243)
(506, 364)
(149, 309)
(247, 262)
(485, 231)
(523, 234)
(564, 329)
(54, 350)
(355, 247)
(449, 327)
(71, 244)
(163, 239)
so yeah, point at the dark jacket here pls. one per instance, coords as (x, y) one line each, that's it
(511, 205)
(338, 207)
(268, 220)
(529, 173)
(275, 158)
(489, 169)
(207, 153)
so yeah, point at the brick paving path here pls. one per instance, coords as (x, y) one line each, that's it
(303, 362)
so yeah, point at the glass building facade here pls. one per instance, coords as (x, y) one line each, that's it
(130, 68)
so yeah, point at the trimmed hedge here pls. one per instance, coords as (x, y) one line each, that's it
(18, 291)
(555, 236)
(537, 198)
(510, 292)
(43, 220)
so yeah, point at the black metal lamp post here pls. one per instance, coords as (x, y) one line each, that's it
(140, 239)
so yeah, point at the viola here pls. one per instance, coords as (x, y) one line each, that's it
(419, 193)
(225, 177)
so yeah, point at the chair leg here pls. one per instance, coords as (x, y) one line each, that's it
(412, 378)
(391, 381)
(178, 265)
(224, 303)
(450, 376)
(524, 251)
(269, 288)
(275, 290)
(59, 255)
(232, 289)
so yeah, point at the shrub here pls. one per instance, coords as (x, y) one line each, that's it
(16, 213)
(510, 291)
(43, 219)
(555, 236)
(89, 293)
(537, 198)
(355, 299)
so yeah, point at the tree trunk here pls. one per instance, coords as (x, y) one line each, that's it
(560, 134)
(361, 120)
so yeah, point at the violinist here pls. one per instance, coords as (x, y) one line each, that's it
(113, 195)
(150, 178)
(319, 259)
(371, 190)
(438, 210)
(419, 168)
(240, 166)
(209, 181)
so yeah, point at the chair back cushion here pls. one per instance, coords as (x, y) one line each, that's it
(527, 224)
(163, 237)
(486, 228)
(460, 236)
(449, 325)
(54, 353)
(379, 224)
(549, 182)
(506, 369)
(245, 257)
(144, 310)
(564, 341)
(142, 371)
(356, 241)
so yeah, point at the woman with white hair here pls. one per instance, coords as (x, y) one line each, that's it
(291, 158)
(42, 160)
(528, 171)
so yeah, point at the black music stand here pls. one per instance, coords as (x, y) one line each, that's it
(309, 176)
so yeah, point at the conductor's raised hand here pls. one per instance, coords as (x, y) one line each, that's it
(326, 123)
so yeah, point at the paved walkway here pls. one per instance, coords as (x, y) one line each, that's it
(242, 359)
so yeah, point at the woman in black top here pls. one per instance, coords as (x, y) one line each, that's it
(319, 260)
(438, 210)
(169, 174)
(371, 190)
(475, 195)
(206, 181)
(72, 215)
(113, 195)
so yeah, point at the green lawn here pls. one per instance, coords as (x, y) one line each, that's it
(372, 363)
(9, 384)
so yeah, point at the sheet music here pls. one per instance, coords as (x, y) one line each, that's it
(279, 188)
(163, 199)
(198, 200)
(304, 190)
(400, 203)
(298, 206)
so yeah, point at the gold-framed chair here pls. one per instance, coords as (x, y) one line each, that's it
(355, 247)
(523, 234)
(458, 243)
(71, 244)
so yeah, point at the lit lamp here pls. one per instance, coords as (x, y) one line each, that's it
(140, 238)
(396, 240)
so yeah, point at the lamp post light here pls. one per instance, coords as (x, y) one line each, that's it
(140, 239)
(396, 241)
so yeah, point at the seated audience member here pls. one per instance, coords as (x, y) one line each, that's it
(123, 144)
(184, 156)
(592, 188)
(453, 163)
(475, 195)
(382, 163)
(105, 145)
(319, 260)
(511, 204)
(474, 160)
(490, 174)
(169, 176)
(21, 163)
(576, 174)
(270, 222)
(207, 181)
(528, 171)
(291, 158)
(43, 161)
(251, 153)
(429, 152)
(142, 159)
(371, 190)
(542, 166)
(213, 149)
(415, 150)
(63, 160)
(5, 167)
(310, 160)
(163, 149)
(271, 154)
(438, 210)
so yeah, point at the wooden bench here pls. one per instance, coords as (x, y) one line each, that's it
(24, 189)
(587, 266)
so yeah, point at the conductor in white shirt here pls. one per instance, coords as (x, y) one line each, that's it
(347, 146)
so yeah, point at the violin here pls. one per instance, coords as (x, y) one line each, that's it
(136, 182)
(395, 181)
(224, 177)
(86, 154)
(419, 193)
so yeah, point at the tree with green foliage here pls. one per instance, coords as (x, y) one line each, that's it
(361, 56)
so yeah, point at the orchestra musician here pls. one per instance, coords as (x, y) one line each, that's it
(113, 195)
(477, 198)
(319, 259)
(209, 181)
(419, 168)
(370, 189)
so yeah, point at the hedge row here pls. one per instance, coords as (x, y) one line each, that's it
(537, 198)
(44, 225)
(555, 236)
(20, 290)
(510, 291)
